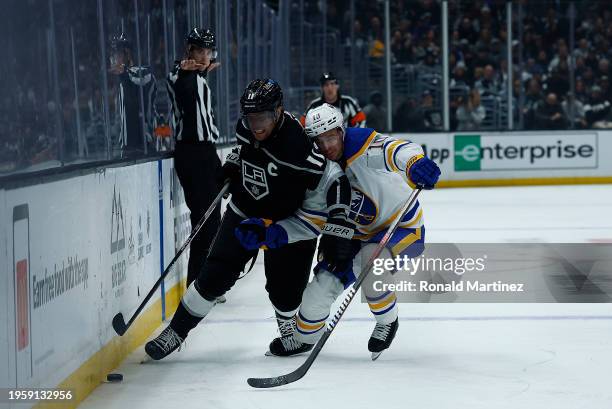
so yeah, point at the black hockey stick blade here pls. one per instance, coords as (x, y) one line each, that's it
(296, 375)
(273, 382)
(119, 324)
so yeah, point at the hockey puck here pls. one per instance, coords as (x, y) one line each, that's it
(114, 377)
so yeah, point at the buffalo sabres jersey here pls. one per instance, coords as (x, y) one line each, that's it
(377, 167)
(307, 221)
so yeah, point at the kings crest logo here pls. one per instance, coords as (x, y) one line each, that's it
(254, 180)
(363, 209)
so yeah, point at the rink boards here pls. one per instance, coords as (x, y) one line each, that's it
(78, 251)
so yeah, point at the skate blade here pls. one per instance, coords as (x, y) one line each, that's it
(375, 355)
(269, 353)
(146, 359)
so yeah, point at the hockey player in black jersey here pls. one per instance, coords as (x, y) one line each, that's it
(275, 172)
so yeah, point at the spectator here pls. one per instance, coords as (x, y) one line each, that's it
(483, 57)
(588, 77)
(409, 53)
(471, 113)
(597, 110)
(562, 55)
(478, 74)
(376, 114)
(580, 67)
(485, 40)
(489, 84)
(603, 68)
(558, 81)
(549, 114)
(360, 38)
(583, 48)
(459, 78)
(574, 111)
(377, 49)
(376, 31)
(408, 117)
(467, 31)
(397, 45)
(432, 116)
(542, 60)
(581, 93)
(431, 58)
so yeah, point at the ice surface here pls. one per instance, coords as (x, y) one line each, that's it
(545, 356)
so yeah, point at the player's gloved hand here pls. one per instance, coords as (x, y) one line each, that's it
(336, 245)
(254, 233)
(230, 170)
(423, 172)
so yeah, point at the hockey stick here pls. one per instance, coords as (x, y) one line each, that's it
(118, 321)
(303, 369)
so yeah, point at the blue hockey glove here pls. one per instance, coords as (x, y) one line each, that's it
(255, 233)
(423, 172)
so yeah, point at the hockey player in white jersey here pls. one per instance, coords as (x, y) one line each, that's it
(382, 172)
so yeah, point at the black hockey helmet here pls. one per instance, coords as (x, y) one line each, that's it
(202, 38)
(261, 95)
(327, 76)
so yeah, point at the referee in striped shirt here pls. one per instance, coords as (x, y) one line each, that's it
(330, 93)
(195, 156)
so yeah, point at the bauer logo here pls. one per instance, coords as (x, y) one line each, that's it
(525, 152)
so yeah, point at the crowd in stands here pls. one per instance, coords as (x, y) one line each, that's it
(38, 104)
(478, 60)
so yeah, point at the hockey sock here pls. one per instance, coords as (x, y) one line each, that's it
(191, 310)
(384, 307)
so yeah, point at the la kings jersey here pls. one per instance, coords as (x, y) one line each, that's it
(277, 172)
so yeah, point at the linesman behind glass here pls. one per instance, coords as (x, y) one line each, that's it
(195, 156)
(134, 122)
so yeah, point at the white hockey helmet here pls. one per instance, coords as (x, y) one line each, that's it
(322, 119)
